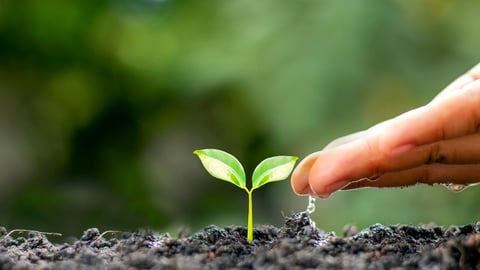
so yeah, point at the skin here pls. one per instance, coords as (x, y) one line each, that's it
(435, 143)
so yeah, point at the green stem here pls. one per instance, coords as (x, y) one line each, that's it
(250, 217)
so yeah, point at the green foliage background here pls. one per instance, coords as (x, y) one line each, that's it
(103, 102)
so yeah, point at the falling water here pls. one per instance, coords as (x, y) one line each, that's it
(311, 205)
(311, 209)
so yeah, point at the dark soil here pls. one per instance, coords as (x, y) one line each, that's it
(296, 245)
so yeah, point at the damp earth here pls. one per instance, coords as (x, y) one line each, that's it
(298, 244)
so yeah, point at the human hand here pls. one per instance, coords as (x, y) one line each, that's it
(435, 143)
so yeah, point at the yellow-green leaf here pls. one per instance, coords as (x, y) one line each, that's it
(272, 169)
(223, 166)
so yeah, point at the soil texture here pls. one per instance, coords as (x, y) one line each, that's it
(298, 244)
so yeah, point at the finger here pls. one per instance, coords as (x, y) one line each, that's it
(335, 168)
(462, 150)
(428, 174)
(332, 170)
(360, 156)
(445, 118)
(470, 76)
(300, 175)
(355, 136)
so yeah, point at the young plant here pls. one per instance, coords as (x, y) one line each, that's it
(224, 166)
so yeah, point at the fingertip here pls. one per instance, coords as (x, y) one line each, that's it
(337, 167)
(324, 191)
(299, 186)
(300, 175)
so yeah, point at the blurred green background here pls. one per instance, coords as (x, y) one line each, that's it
(103, 102)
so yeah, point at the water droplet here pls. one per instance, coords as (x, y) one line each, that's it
(455, 187)
(311, 205)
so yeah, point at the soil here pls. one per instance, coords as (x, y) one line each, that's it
(298, 244)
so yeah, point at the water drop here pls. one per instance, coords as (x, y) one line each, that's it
(311, 209)
(311, 205)
(455, 187)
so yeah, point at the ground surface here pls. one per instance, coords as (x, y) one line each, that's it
(297, 245)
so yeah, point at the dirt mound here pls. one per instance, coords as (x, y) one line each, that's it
(296, 245)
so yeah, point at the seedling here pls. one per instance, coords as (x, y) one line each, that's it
(224, 166)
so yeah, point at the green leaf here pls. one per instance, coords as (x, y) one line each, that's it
(272, 169)
(223, 166)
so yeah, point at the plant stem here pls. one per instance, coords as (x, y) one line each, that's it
(250, 217)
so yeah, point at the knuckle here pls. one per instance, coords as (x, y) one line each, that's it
(476, 122)
(426, 175)
(442, 132)
(429, 175)
(436, 154)
(376, 156)
(474, 98)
